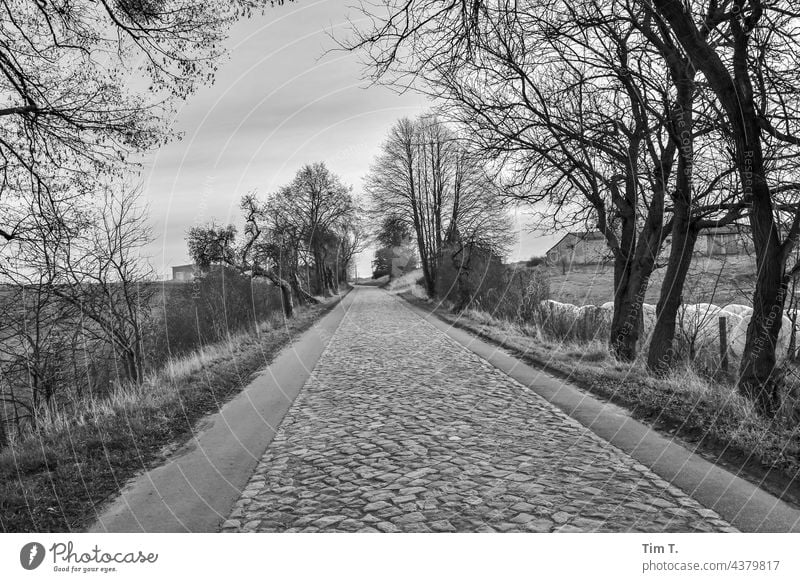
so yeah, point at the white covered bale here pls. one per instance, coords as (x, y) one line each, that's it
(697, 328)
(593, 323)
(740, 310)
(784, 337)
(737, 336)
(567, 321)
(558, 319)
(648, 321)
(604, 315)
(556, 310)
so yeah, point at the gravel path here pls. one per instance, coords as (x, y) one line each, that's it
(399, 428)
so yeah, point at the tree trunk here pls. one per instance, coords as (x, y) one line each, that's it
(430, 281)
(633, 265)
(286, 291)
(303, 296)
(286, 299)
(331, 281)
(320, 273)
(460, 260)
(661, 354)
(626, 321)
(620, 342)
(631, 279)
(758, 380)
(133, 363)
(298, 290)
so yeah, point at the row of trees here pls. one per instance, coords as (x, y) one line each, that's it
(428, 183)
(644, 119)
(303, 237)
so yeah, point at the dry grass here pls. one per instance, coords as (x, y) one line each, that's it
(53, 478)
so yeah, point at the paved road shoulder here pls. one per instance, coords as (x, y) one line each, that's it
(195, 489)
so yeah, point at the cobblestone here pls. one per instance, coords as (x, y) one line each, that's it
(399, 428)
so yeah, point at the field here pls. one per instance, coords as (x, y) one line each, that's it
(717, 280)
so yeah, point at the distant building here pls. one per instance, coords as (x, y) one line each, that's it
(732, 239)
(583, 248)
(185, 272)
(728, 240)
(580, 248)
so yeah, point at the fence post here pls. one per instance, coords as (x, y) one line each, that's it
(723, 343)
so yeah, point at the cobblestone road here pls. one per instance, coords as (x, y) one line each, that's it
(399, 428)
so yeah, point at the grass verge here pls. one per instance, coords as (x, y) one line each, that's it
(708, 418)
(57, 479)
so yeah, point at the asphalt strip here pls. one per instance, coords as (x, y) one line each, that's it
(196, 488)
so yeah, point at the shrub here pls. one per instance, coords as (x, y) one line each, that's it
(536, 261)
(467, 274)
(537, 290)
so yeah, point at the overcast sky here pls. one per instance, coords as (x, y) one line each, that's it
(278, 102)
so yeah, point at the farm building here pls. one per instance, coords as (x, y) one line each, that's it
(733, 239)
(184, 272)
(579, 248)
(728, 240)
(582, 248)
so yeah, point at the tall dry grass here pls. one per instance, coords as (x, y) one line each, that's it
(158, 388)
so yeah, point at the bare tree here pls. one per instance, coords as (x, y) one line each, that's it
(318, 206)
(272, 252)
(86, 83)
(211, 245)
(353, 239)
(38, 326)
(34, 349)
(102, 272)
(315, 215)
(426, 178)
(560, 98)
